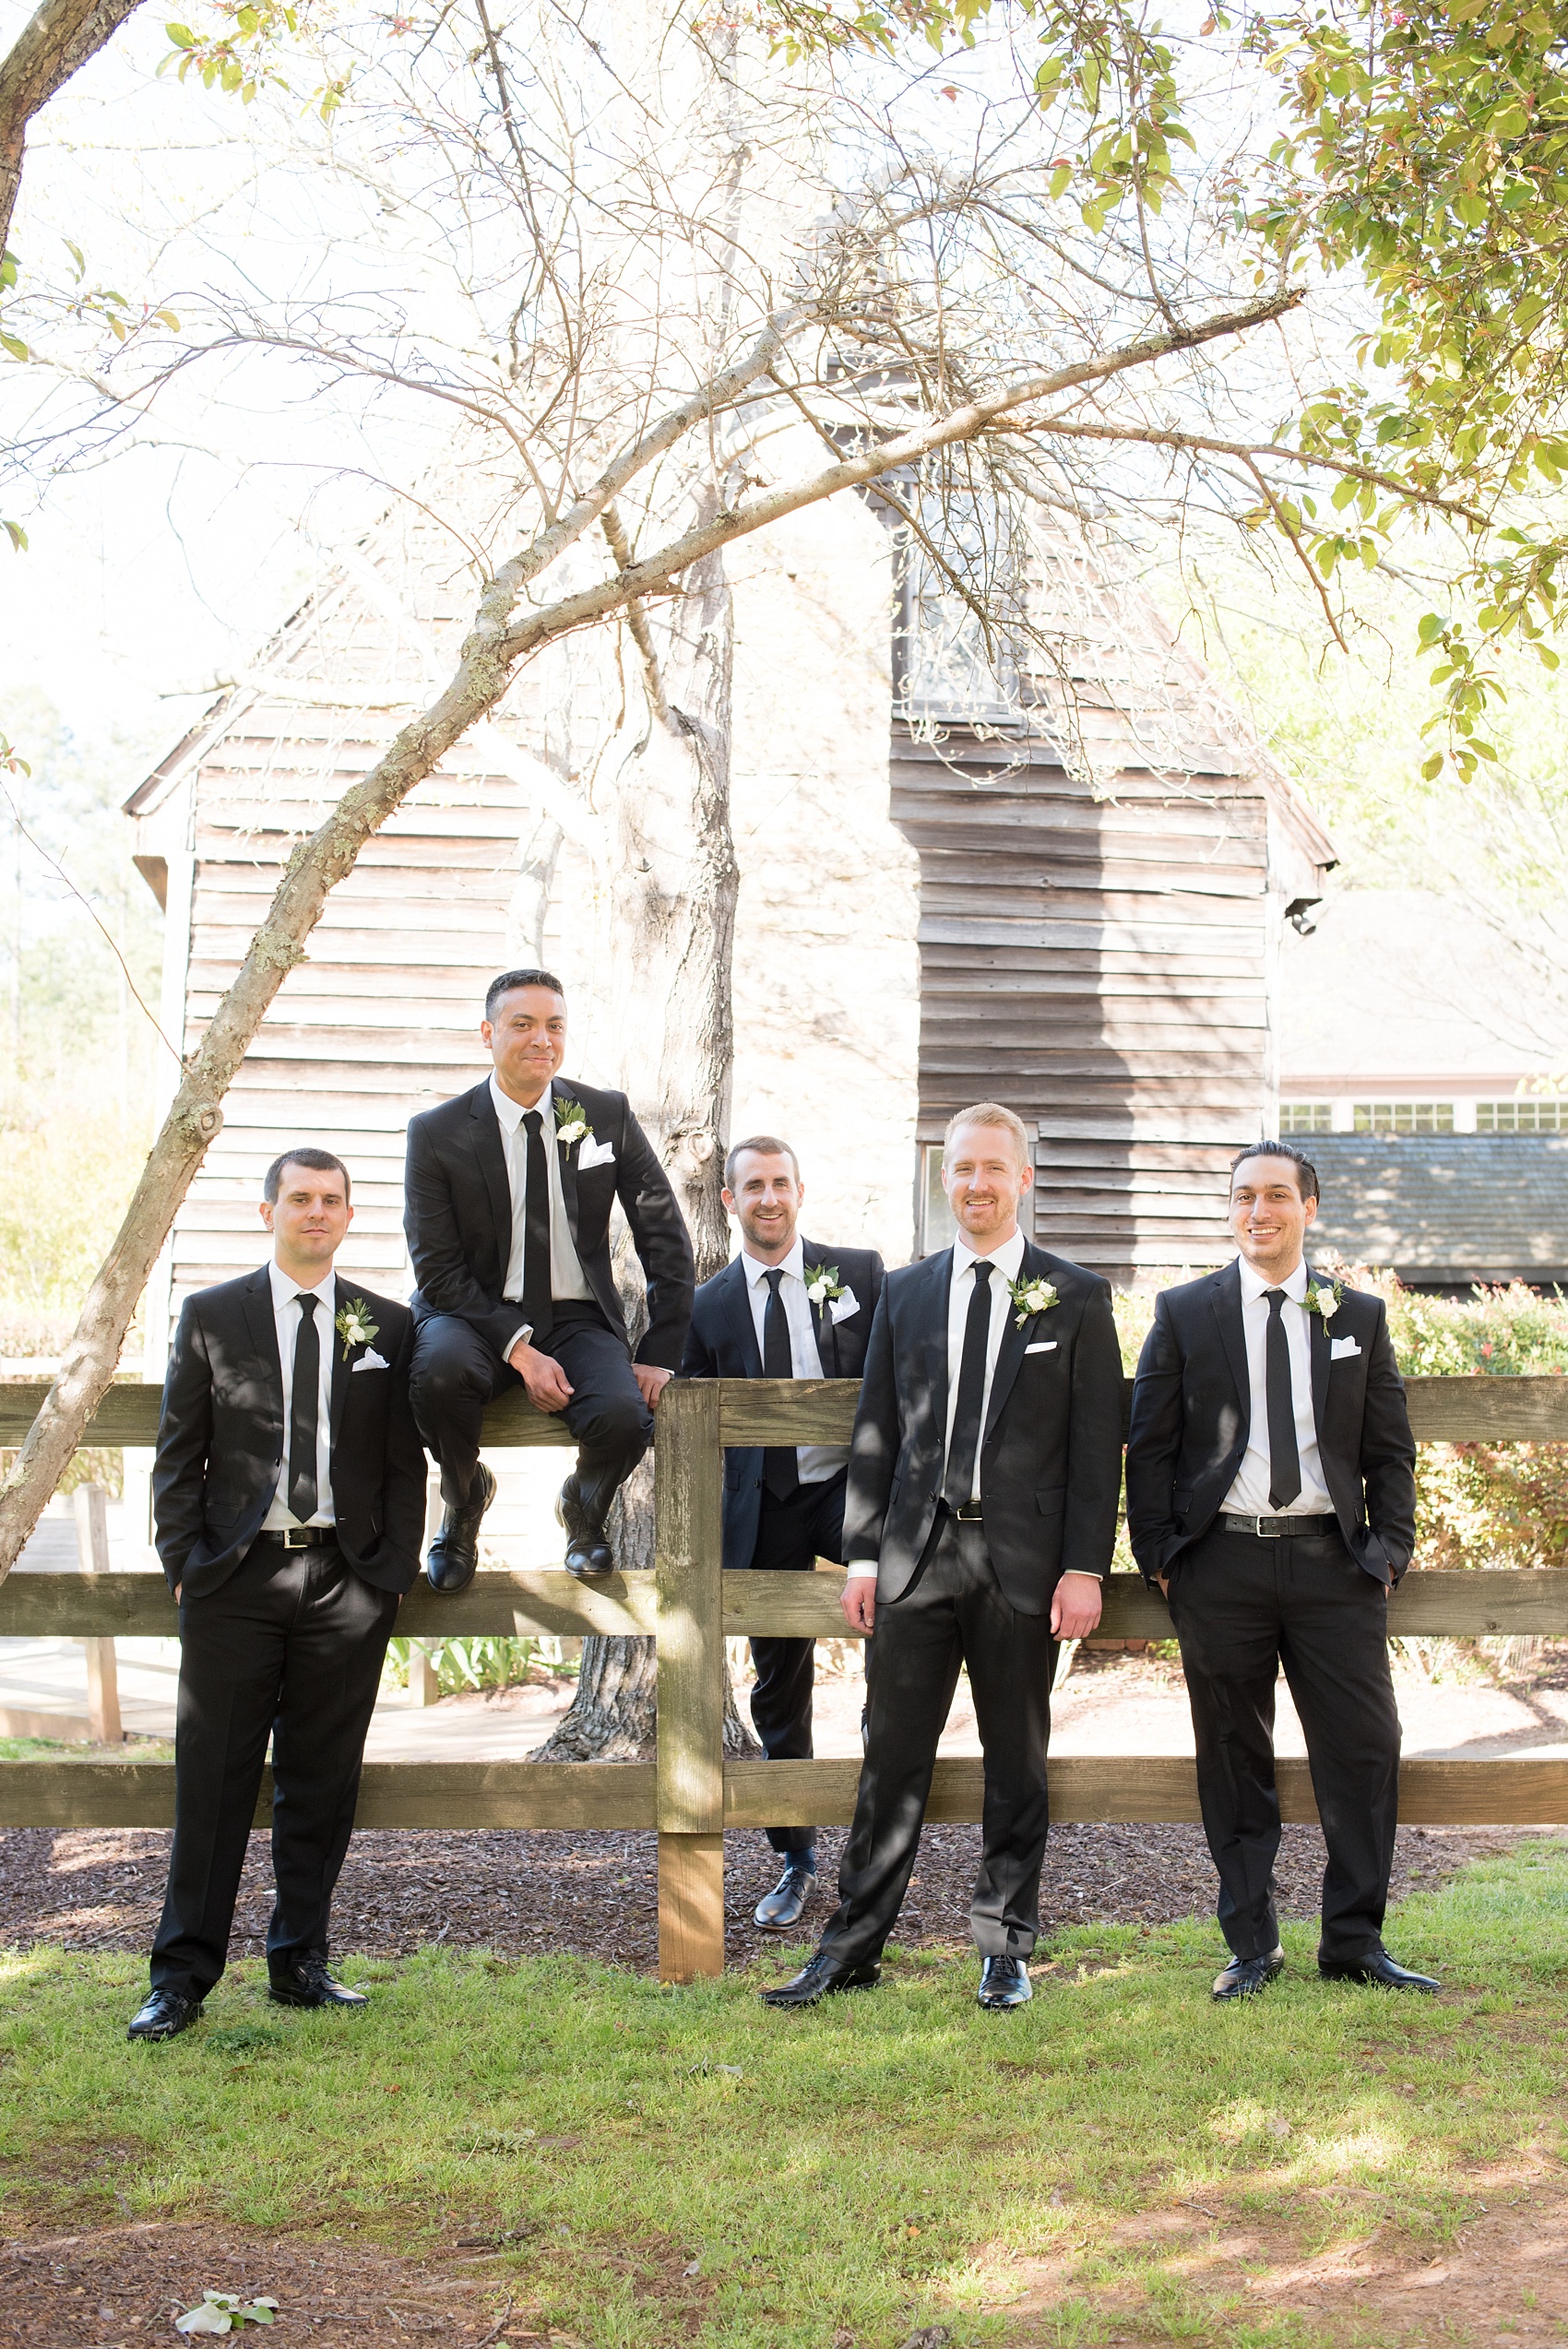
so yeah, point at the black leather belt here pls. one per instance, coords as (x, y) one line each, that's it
(1306, 1527)
(302, 1536)
(972, 1512)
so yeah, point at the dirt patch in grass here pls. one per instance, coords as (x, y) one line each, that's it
(119, 2285)
(594, 1895)
(1502, 2277)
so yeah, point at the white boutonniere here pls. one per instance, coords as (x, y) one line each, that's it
(354, 1325)
(1323, 1297)
(571, 1123)
(1030, 1297)
(822, 1284)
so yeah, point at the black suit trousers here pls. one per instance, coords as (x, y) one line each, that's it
(457, 1372)
(289, 1647)
(1244, 1608)
(953, 1614)
(792, 1536)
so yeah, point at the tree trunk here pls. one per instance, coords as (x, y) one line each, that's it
(671, 886)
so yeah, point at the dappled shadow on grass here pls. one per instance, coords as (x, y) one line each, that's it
(645, 2167)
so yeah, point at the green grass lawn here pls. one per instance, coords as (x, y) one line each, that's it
(888, 2161)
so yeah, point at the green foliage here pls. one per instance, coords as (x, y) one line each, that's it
(662, 2168)
(1481, 1505)
(239, 53)
(488, 1663)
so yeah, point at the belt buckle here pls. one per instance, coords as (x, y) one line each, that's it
(296, 1538)
(971, 1513)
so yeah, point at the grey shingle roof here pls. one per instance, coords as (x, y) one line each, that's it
(1447, 1207)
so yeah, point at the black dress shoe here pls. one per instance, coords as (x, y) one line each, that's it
(454, 1554)
(1004, 1983)
(165, 2015)
(785, 1905)
(588, 1552)
(822, 1977)
(307, 1983)
(1244, 1977)
(1379, 1969)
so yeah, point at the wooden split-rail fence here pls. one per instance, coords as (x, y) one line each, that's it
(689, 1792)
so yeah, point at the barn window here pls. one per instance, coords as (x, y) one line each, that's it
(1306, 1117)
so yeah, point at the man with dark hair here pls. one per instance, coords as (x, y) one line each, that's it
(1271, 1497)
(288, 1498)
(785, 1308)
(507, 1194)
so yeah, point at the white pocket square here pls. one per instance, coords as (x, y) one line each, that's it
(595, 1153)
(370, 1361)
(1041, 1345)
(840, 1308)
(1340, 1348)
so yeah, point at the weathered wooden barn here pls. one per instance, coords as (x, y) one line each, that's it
(1068, 897)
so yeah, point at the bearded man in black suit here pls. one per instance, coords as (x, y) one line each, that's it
(785, 1308)
(1271, 1495)
(507, 1194)
(984, 1473)
(288, 1501)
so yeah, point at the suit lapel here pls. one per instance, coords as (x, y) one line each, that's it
(339, 1387)
(738, 1311)
(1322, 1353)
(1226, 1299)
(489, 1149)
(1015, 1337)
(936, 1300)
(262, 1323)
(823, 1325)
(566, 1162)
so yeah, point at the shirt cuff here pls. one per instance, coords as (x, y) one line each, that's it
(523, 1329)
(861, 1567)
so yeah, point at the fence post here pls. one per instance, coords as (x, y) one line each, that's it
(688, 1495)
(90, 1505)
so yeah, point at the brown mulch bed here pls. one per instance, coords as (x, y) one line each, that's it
(118, 2285)
(517, 1892)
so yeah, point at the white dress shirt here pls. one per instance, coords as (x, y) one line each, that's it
(566, 1280)
(816, 1462)
(1248, 1496)
(286, 1314)
(1008, 1259)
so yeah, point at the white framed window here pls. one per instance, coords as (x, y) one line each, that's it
(1521, 1117)
(1403, 1117)
(937, 1227)
(1306, 1117)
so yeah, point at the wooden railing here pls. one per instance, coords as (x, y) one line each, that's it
(689, 1793)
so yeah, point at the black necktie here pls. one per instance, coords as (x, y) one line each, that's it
(959, 1485)
(780, 1468)
(1284, 1460)
(536, 1230)
(302, 1496)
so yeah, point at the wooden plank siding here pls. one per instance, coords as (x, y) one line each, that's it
(1102, 967)
(380, 1021)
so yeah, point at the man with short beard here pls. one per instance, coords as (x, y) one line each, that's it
(1271, 1497)
(785, 1308)
(984, 1472)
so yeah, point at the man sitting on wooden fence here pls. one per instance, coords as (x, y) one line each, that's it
(288, 1501)
(1271, 1495)
(508, 1197)
(785, 1308)
(984, 1473)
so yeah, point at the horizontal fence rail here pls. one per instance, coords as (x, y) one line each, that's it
(689, 1793)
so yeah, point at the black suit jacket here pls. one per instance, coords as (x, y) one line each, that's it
(221, 1439)
(457, 1215)
(722, 1345)
(1050, 1450)
(1192, 1410)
